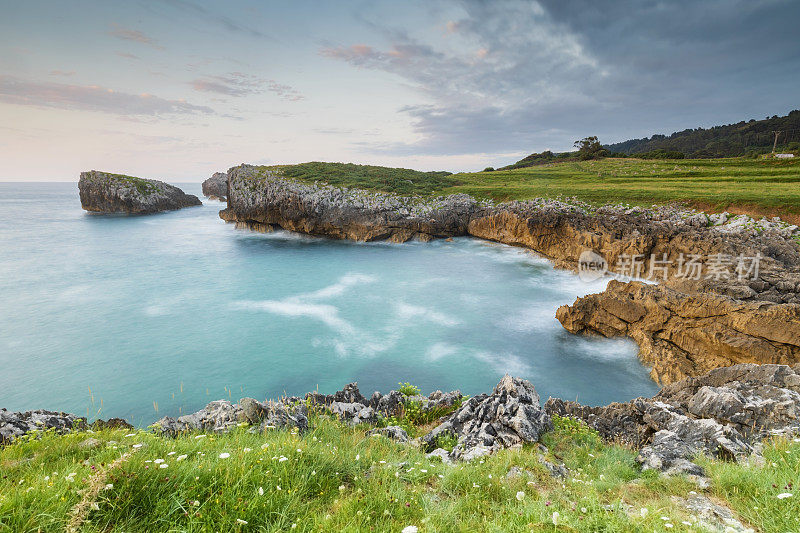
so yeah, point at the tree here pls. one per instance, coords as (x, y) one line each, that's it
(589, 148)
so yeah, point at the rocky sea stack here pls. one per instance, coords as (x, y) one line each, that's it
(104, 192)
(216, 187)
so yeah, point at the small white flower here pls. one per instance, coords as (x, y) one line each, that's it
(409, 529)
(668, 525)
(47, 478)
(95, 506)
(224, 455)
(555, 518)
(181, 457)
(282, 459)
(358, 457)
(583, 510)
(520, 495)
(137, 445)
(664, 518)
(423, 470)
(260, 491)
(109, 486)
(158, 461)
(278, 487)
(171, 453)
(165, 465)
(327, 517)
(294, 526)
(341, 488)
(248, 450)
(131, 435)
(475, 485)
(200, 437)
(240, 521)
(783, 495)
(643, 512)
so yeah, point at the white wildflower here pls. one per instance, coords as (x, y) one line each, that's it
(783, 495)
(520, 495)
(181, 457)
(224, 455)
(409, 529)
(158, 461)
(555, 518)
(240, 521)
(260, 491)
(165, 465)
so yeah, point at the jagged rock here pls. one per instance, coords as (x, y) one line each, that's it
(216, 187)
(389, 404)
(556, 470)
(111, 423)
(14, 425)
(353, 413)
(104, 192)
(222, 416)
(391, 432)
(217, 416)
(725, 414)
(510, 416)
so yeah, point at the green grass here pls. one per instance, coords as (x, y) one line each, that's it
(753, 186)
(335, 478)
(141, 185)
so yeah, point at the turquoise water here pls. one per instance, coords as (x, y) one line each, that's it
(120, 316)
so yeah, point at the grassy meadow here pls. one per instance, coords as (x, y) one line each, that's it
(739, 185)
(336, 478)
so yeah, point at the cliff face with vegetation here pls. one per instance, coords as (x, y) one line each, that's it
(684, 326)
(104, 192)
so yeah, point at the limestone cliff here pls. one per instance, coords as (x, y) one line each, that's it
(685, 326)
(216, 187)
(104, 192)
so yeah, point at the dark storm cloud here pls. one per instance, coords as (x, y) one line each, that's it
(537, 75)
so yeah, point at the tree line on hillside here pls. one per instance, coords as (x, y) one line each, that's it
(751, 138)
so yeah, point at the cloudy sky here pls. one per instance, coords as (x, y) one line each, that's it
(178, 89)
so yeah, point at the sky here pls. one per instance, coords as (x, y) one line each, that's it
(179, 89)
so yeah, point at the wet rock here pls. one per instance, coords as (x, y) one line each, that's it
(104, 192)
(510, 416)
(395, 433)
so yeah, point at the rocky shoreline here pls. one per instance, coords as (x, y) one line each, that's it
(683, 326)
(724, 414)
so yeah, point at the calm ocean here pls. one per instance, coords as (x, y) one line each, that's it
(145, 316)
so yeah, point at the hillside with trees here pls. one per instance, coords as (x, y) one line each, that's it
(731, 140)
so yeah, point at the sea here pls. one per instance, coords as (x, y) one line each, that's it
(147, 316)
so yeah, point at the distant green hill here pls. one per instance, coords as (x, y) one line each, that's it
(731, 140)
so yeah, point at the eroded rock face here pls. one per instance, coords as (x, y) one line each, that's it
(509, 416)
(683, 334)
(104, 192)
(684, 326)
(725, 413)
(261, 199)
(216, 187)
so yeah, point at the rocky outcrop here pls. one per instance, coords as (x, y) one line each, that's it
(710, 309)
(104, 192)
(725, 413)
(221, 416)
(216, 187)
(508, 417)
(683, 334)
(260, 199)
(14, 425)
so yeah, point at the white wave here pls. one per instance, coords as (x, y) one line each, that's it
(503, 363)
(338, 288)
(407, 311)
(441, 350)
(538, 318)
(327, 314)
